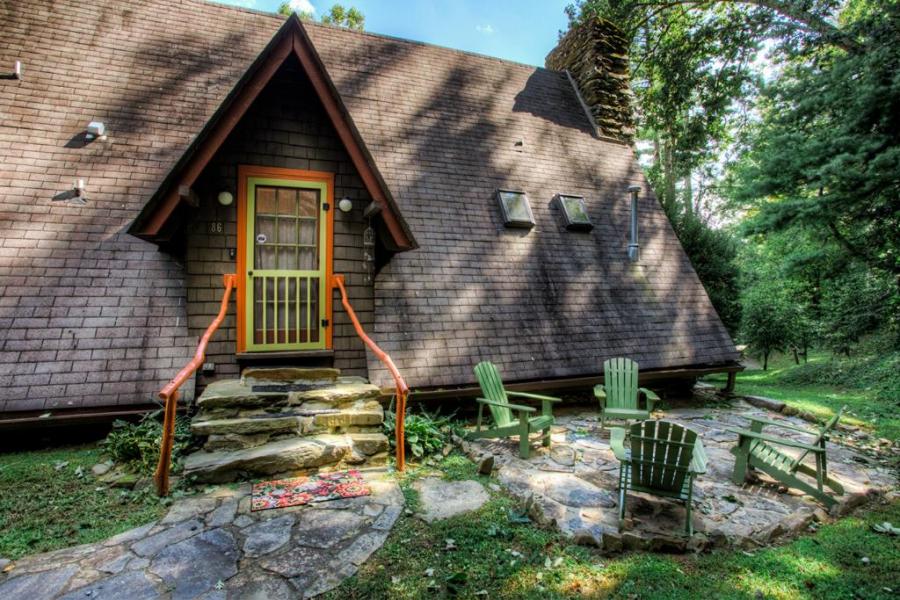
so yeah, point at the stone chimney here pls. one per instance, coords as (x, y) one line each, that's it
(595, 53)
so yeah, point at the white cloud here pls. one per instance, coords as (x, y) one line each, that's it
(302, 6)
(485, 29)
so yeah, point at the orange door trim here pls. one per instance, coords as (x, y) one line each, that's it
(244, 173)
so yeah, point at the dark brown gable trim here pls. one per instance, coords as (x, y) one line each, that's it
(291, 38)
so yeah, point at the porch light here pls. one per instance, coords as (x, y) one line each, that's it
(575, 212)
(225, 198)
(634, 250)
(345, 204)
(515, 208)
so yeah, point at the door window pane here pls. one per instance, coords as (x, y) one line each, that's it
(265, 200)
(287, 202)
(309, 203)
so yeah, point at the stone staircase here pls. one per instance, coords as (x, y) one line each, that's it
(286, 421)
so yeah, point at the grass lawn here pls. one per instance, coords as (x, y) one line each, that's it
(496, 556)
(43, 508)
(880, 417)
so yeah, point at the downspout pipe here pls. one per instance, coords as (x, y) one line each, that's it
(634, 249)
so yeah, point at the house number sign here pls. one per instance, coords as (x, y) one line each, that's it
(216, 227)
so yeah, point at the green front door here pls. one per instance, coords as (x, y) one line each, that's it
(286, 264)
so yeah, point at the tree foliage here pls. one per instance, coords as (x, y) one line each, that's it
(767, 320)
(287, 10)
(801, 145)
(827, 152)
(713, 253)
(351, 18)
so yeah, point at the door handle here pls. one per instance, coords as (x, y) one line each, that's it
(250, 273)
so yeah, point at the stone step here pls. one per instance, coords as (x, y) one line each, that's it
(283, 375)
(299, 420)
(231, 395)
(370, 444)
(287, 457)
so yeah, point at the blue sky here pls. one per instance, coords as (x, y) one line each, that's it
(523, 31)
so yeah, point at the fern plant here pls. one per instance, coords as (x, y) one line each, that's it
(136, 445)
(425, 433)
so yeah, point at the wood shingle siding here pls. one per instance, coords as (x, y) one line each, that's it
(287, 128)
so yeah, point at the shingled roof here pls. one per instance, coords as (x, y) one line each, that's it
(443, 129)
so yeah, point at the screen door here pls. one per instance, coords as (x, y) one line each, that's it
(285, 258)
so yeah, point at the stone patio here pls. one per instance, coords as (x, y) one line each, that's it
(212, 547)
(573, 486)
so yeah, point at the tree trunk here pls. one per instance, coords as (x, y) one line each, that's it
(766, 360)
(796, 356)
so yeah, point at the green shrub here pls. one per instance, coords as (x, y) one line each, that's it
(879, 373)
(136, 445)
(767, 320)
(713, 253)
(426, 433)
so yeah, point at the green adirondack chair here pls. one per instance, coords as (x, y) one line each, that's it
(756, 450)
(663, 460)
(618, 395)
(506, 425)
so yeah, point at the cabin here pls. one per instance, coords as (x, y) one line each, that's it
(475, 208)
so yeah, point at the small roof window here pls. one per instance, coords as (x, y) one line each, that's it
(516, 210)
(575, 212)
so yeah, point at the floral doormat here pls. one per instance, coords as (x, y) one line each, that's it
(280, 493)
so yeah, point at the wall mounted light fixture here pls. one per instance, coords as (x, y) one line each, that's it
(225, 198)
(346, 204)
(96, 130)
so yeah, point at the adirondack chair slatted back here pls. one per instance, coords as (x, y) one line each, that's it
(661, 453)
(620, 378)
(492, 388)
(823, 434)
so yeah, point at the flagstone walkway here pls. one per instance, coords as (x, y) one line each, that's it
(573, 485)
(212, 547)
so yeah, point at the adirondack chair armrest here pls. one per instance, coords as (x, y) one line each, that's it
(533, 396)
(600, 393)
(518, 407)
(617, 443)
(776, 440)
(651, 397)
(699, 460)
(782, 425)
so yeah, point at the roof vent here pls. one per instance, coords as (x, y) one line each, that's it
(16, 72)
(634, 249)
(77, 195)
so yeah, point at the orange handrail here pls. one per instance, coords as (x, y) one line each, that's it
(337, 281)
(169, 393)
